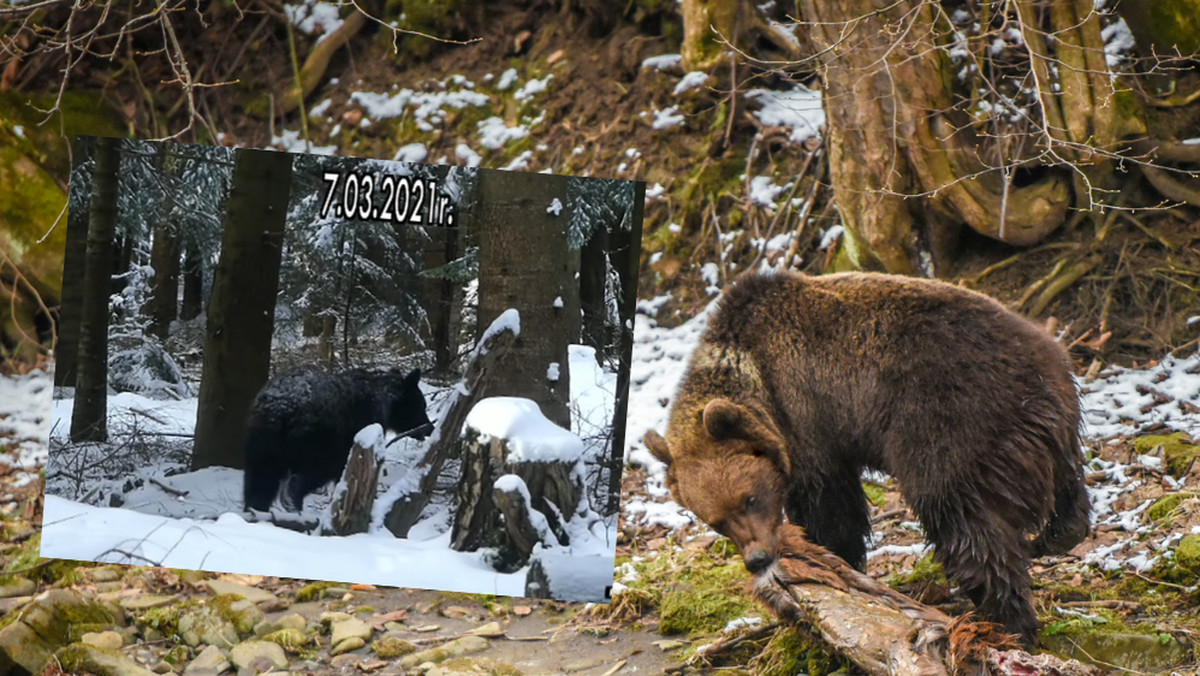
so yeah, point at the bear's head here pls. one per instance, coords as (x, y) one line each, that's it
(406, 406)
(729, 466)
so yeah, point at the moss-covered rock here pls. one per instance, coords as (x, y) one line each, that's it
(54, 619)
(391, 647)
(83, 658)
(1179, 450)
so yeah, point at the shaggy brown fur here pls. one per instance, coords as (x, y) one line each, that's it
(799, 383)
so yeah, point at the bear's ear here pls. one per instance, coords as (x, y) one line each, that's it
(413, 378)
(658, 446)
(725, 420)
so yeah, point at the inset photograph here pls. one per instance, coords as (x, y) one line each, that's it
(342, 369)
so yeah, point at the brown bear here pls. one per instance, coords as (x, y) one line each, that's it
(799, 382)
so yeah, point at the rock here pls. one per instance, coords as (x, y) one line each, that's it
(669, 645)
(331, 616)
(391, 647)
(258, 654)
(489, 630)
(352, 643)
(210, 662)
(146, 602)
(204, 624)
(291, 640)
(80, 657)
(242, 613)
(252, 594)
(105, 640)
(464, 645)
(349, 628)
(294, 621)
(583, 664)
(43, 628)
(102, 574)
(459, 612)
(18, 586)
(1187, 553)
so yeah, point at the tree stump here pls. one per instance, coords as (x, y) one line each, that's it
(445, 442)
(354, 495)
(510, 436)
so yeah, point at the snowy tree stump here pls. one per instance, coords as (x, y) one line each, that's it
(354, 495)
(510, 436)
(445, 442)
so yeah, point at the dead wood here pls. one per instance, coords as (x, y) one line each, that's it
(351, 509)
(445, 441)
(881, 630)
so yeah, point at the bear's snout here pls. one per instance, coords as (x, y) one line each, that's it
(758, 561)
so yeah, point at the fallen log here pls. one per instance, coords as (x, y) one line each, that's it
(883, 631)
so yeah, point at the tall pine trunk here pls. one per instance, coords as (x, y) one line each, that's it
(241, 312)
(88, 419)
(525, 263)
(193, 284)
(164, 253)
(67, 345)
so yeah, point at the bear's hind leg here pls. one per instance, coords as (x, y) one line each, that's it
(259, 486)
(986, 557)
(833, 511)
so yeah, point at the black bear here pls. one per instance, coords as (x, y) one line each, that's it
(799, 383)
(303, 423)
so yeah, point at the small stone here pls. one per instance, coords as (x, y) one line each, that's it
(294, 621)
(252, 594)
(669, 645)
(584, 664)
(391, 647)
(80, 658)
(426, 628)
(458, 612)
(18, 586)
(102, 575)
(489, 630)
(244, 615)
(350, 628)
(203, 624)
(104, 640)
(352, 643)
(464, 645)
(145, 601)
(292, 640)
(330, 616)
(246, 654)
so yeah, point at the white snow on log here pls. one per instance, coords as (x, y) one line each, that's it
(552, 372)
(511, 483)
(558, 302)
(555, 207)
(530, 436)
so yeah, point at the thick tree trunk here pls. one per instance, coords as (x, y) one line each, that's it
(88, 420)
(193, 284)
(624, 254)
(164, 258)
(904, 165)
(241, 313)
(525, 263)
(67, 345)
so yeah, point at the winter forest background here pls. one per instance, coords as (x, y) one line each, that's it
(204, 270)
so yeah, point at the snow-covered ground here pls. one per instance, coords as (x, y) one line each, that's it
(194, 519)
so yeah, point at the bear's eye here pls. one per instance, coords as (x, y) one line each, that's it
(751, 502)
